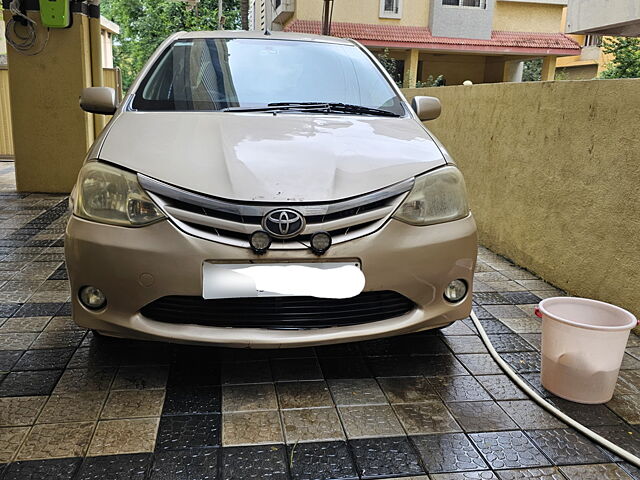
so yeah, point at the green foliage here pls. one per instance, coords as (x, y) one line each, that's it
(626, 57)
(532, 70)
(390, 64)
(439, 81)
(144, 24)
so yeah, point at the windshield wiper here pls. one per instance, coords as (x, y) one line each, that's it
(275, 107)
(321, 107)
(330, 107)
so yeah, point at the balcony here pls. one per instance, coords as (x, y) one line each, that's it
(283, 10)
(461, 18)
(604, 17)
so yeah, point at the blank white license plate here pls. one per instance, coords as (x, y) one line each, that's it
(322, 280)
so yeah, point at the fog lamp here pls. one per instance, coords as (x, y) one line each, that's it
(92, 297)
(320, 242)
(260, 241)
(455, 291)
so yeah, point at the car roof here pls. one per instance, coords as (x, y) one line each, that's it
(259, 34)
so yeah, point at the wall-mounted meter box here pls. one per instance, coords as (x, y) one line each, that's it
(55, 13)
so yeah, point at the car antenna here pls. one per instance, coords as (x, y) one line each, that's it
(266, 31)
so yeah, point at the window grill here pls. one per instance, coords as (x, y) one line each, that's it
(465, 3)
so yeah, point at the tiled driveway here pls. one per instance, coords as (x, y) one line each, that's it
(74, 406)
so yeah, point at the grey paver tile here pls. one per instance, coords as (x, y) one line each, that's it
(56, 441)
(448, 452)
(609, 471)
(459, 389)
(508, 450)
(523, 362)
(73, 407)
(528, 415)
(117, 437)
(480, 364)
(133, 404)
(567, 447)
(359, 391)
(509, 342)
(500, 387)
(17, 411)
(303, 394)
(407, 389)
(24, 325)
(626, 406)
(312, 425)
(85, 380)
(628, 382)
(425, 418)
(504, 312)
(457, 328)
(465, 344)
(481, 475)
(623, 435)
(249, 397)
(10, 440)
(543, 473)
(251, 428)
(141, 377)
(481, 416)
(523, 325)
(16, 341)
(589, 415)
(370, 421)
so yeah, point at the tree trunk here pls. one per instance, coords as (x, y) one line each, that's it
(244, 14)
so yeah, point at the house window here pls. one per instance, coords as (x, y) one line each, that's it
(390, 8)
(465, 3)
(593, 41)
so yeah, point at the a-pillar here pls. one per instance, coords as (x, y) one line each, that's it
(411, 68)
(51, 134)
(548, 68)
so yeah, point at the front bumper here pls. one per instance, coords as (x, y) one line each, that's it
(135, 266)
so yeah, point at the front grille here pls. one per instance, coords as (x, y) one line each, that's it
(232, 222)
(279, 312)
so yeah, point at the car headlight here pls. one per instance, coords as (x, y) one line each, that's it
(436, 197)
(106, 194)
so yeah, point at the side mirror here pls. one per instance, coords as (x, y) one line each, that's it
(427, 108)
(99, 100)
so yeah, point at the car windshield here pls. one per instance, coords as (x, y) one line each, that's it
(215, 74)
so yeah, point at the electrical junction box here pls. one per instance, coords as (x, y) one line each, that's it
(55, 13)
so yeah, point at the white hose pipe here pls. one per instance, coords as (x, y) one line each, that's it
(620, 452)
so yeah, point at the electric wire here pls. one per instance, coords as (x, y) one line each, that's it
(620, 452)
(23, 43)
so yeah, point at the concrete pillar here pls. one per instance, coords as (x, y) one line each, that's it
(548, 68)
(513, 71)
(97, 73)
(411, 69)
(51, 134)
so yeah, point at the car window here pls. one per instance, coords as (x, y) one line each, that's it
(213, 74)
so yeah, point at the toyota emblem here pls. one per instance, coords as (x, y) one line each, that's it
(283, 223)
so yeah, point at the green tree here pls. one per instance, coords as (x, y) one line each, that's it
(626, 57)
(144, 24)
(532, 70)
(389, 63)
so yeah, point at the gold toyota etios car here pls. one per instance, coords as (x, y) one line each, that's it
(271, 190)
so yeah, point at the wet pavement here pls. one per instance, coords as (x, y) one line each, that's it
(428, 405)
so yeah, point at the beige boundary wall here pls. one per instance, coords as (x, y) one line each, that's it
(553, 173)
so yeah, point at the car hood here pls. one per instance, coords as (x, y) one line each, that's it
(271, 158)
